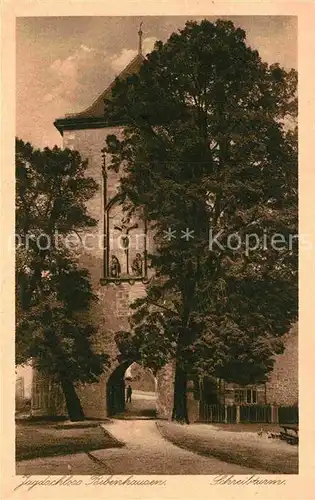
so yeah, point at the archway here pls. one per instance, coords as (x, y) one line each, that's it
(143, 384)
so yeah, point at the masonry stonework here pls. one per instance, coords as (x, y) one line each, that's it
(165, 391)
(113, 309)
(283, 387)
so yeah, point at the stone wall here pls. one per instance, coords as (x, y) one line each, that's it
(165, 391)
(283, 386)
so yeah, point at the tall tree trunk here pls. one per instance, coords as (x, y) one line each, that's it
(180, 412)
(74, 407)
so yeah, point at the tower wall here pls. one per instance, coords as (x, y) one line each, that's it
(113, 308)
(112, 311)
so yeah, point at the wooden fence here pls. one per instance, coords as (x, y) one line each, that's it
(288, 415)
(256, 413)
(217, 413)
(232, 414)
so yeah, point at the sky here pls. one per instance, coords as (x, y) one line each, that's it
(64, 63)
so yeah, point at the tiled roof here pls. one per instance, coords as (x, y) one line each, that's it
(96, 110)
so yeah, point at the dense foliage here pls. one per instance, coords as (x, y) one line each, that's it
(54, 295)
(211, 146)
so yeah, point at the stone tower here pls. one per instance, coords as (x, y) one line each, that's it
(114, 252)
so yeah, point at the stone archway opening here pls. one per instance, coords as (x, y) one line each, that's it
(144, 391)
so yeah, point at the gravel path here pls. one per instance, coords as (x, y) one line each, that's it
(147, 452)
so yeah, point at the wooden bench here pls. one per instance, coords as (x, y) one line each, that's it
(290, 433)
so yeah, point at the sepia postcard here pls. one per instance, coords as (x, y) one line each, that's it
(158, 250)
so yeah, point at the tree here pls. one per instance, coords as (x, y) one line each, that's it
(54, 294)
(51, 195)
(210, 157)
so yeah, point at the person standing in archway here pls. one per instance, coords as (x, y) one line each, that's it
(129, 393)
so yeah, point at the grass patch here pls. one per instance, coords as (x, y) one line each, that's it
(237, 448)
(250, 427)
(46, 440)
